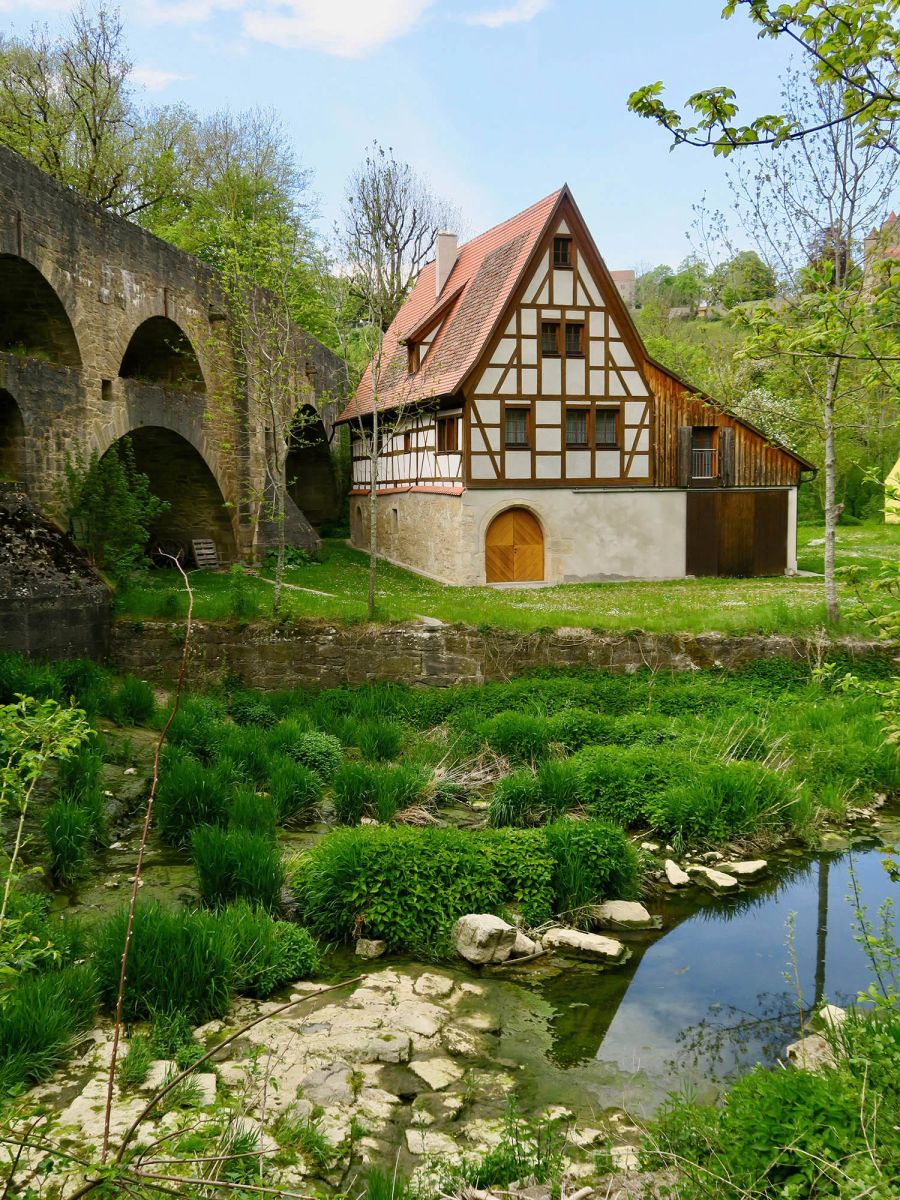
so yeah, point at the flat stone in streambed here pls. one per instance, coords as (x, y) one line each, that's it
(747, 871)
(622, 914)
(591, 946)
(675, 875)
(716, 881)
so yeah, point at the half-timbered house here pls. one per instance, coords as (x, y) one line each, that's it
(528, 435)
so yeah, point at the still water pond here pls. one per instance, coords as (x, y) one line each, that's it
(715, 994)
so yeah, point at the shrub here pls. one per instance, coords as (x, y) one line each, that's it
(189, 795)
(352, 792)
(177, 961)
(250, 708)
(266, 954)
(722, 800)
(575, 728)
(67, 830)
(233, 864)
(244, 750)
(39, 1018)
(249, 810)
(294, 789)
(593, 861)
(516, 800)
(241, 601)
(133, 702)
(197, 726)
(519, 736)
(524, 867)
(319, 752)
(621, 784)
(81, 772)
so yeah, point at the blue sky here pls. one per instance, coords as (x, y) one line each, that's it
(498, 102)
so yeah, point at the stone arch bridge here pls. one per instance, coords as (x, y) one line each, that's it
(105, 332)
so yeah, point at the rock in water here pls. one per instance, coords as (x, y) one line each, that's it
(675, 875)
(810, 1053)
(584, 945)
(717, 881)
(370, 947)
(524, 946)
(746, 871)
(622, 914)
(483, 938)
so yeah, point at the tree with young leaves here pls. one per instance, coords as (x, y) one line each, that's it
(853, 46)
(390, 222)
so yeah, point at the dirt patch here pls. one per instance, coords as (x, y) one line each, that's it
(35, 556)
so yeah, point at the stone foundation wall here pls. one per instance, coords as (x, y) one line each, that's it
(49, 625)
(436, 656)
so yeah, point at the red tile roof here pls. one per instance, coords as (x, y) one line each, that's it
(485, 274)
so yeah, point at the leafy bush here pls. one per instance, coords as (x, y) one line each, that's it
(409, 885)
(189, 795)
(519, 736)
(621, 784)
(197, 726)
(250, 708)
(295, 790)
(245, 750)
(319, 752)
(241, 601)
(67, 831)
(177, 961)
(249, 810)
(39, 1018)
(592, 861)
(516, 800)
(379, 741)
(722, 800)
(133, 702)
(266, 954)
(233, 864)
(574, 728)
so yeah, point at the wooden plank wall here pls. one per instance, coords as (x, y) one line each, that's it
(757, 463)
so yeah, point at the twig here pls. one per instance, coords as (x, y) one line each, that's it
(136, 880)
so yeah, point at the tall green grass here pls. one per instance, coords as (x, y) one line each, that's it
(40, 1017)
(235, 864)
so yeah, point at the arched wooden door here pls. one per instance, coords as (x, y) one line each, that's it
(514, 548)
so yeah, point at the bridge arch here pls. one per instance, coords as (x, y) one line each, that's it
(180, 475)
(12, 440)
(310, 470)
(160, 352)
(33, 319)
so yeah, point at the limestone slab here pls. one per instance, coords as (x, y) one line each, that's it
(592, 946)
(437, 1072)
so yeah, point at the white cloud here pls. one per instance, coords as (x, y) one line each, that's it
(154, 79)
(513, 14)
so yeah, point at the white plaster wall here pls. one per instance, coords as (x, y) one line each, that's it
(792, 531)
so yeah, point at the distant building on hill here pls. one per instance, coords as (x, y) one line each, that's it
(881, 244)
(626, 283)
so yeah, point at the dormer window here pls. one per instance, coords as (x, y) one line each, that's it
(562, 252)
(412, 357)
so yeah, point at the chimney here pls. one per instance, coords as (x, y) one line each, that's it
(445, 257)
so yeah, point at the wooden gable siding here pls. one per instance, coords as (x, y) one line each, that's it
(757, 463)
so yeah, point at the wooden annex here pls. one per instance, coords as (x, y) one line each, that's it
(527, 435)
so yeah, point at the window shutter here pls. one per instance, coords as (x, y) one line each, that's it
(685, 433)
(726, 457)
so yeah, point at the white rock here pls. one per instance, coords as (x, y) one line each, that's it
(483, 938)
(717, 881)
(624, 1158)
(426, 1141)
(437, 1072)
(431, 984)
(158, 1073)
(675, 875)
(130, 771)
(622, 914)
(650, 847)
(205, 1083)
(584, 945)
(831, 1016)
(370, 947)
(810, 1053)
(524, 946)
(752, 869)
(464, 1043)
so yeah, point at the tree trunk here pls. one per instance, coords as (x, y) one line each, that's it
(832, 509)
(373, 510)
(279, 564)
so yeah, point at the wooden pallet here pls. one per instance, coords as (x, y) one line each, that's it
(205, 553)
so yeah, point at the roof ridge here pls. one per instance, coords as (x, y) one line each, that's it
(499, 225)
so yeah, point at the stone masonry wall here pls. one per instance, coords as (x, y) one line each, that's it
(425, 655)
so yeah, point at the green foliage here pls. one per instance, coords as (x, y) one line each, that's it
(133, 702)
(621, 784)
(302, 1132)
(516, 800)
(295, 790)
(379, 740)
(266, 954)
(241, 600)
(177, 961)
(249, 810)
(111, 509)
(135, 1066)
(234, 864)
(197, 726)
(519, 736)
(724, 800)
(378, 791)
(319, 752)
(39, 1019)
(189, 795)
(67, 832)
(527, 1150)
(592, 860)
(250, 708)
(408, 886)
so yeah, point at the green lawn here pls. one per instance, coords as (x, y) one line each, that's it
(790, 606)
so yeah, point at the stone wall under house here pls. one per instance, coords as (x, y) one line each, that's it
(319, 655)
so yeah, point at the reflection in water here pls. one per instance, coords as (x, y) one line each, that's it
(716, 994)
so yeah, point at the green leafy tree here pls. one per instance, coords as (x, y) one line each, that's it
(111, 509)
(743, 278)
